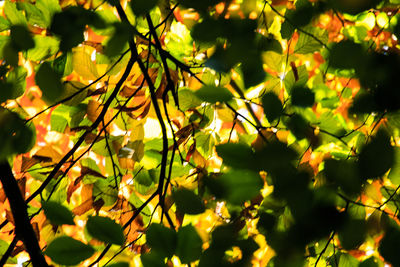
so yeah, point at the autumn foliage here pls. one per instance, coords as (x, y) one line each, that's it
(200, 133)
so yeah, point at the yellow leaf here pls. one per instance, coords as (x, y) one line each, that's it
(137, 130)
(93, 110)
(82, 63)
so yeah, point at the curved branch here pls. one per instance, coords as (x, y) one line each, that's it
(23, 227)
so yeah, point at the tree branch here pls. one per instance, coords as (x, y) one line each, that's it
(23, 228)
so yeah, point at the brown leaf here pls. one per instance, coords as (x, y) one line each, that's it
(88, 171)
(91, 137)
(132, 231)
(126, 163)
(48, 152)
(130, 109)
(22, 186)
(145, 110)
(10, 217)
(119, 204)
(28, 163)
(83, 207)
(2, 195)
(99, 91)
(192, 148)
(93, 110)
(73, 187)
(18, 249)
(199, 160)
(295, 72)
(98, 204)
(35, 227)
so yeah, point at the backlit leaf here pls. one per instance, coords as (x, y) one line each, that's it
(188, 202)
(68, 251)
(142, 7)
(161, 239)
(105, 229)
(312, 42)
(57, 213)
(82, 63)
(272, 106)
(15, 16)
(49, 82)
(213, 94)
(189, 244)
(241, 185)
(377, 156)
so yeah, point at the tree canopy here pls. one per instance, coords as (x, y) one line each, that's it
(200, 133)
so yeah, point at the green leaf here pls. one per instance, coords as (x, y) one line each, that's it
(45, 47)
(298, 126)
(66, 115)
(302, 97)
(119, 40)
(63, 64)
(394, 174)
(370, 262)
(272, 105)
(346, 55)
(68, 251)
(33, 14)
(7, 91)
(188, 202)
(72, 88)
(10, 54)
(253, 71)
(48, 9)
(205, 143)
(4, 24)
(140, 7)
(161, 239)
(307, 44)
(21, 38)
(17, 78)
(109, 18)
(144, 183)
(377, 156)
(49, 82)
(287, 30)
(14, 16)
(70, 25)
(241, 185)
(152, 259)
(346, 260)
(344, 174)
(292, 80)
(269, 44)
(188, 99)
(106, 189)
(57, 214)
(178, 41)
(352, 234)
(236, 155)
(213, 94)
(389, 246)
(17, 137)
(275, 155)
(106, 230)
(189, 247)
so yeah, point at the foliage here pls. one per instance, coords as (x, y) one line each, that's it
(200, 133)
